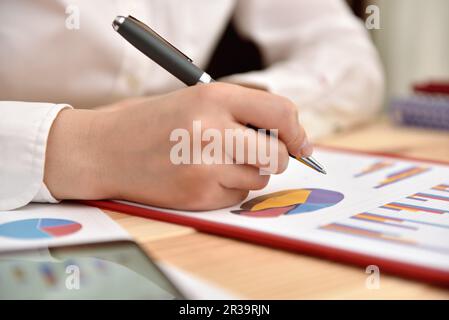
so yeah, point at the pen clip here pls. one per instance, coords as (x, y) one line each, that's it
(159, 37)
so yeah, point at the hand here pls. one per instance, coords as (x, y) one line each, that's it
(124, 153)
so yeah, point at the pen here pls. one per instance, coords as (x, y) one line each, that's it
(174, 61)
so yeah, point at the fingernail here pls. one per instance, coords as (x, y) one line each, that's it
(306, 148)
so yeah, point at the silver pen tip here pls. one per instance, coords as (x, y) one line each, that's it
(317, 165)
(312, 163)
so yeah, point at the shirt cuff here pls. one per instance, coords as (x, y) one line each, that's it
(44, 195)
(24, 130)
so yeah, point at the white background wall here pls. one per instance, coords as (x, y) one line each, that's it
(413, 42)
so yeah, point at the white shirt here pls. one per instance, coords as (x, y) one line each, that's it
(317, 54)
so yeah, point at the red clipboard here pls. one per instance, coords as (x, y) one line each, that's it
(402, 269)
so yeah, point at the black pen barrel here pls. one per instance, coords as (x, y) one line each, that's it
(153, 46)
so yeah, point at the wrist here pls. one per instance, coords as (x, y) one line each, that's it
(72, 165)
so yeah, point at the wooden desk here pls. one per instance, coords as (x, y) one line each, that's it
(258, 272)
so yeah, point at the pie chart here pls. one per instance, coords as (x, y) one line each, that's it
(33, 229)
(289, 202)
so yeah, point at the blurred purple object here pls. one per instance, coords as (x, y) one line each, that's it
(424, 110)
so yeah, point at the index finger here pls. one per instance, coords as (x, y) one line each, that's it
(268, 111)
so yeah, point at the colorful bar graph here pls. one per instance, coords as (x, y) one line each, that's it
(426, 196)
(356, 231)
(401, 175)
(400, 228)
(397, 206)
(377, 218)
(374, 167)
(396, 222)
(442, 187)
(382, 236)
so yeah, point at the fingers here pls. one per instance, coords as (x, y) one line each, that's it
(212, 198)
(229, 197)
(242, 177)
(265, 110)
(257, 148)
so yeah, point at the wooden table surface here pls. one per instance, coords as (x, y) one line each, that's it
(257, 272)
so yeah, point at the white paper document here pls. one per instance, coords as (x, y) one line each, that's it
(45, 225)
(373, 205)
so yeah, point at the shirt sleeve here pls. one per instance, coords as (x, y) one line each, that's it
(317, 54)
(24, 129)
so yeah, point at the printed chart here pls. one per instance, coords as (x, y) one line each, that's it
(401, 175)
(31, 229)
(419, 220)
(377, 166)
(289, 202)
